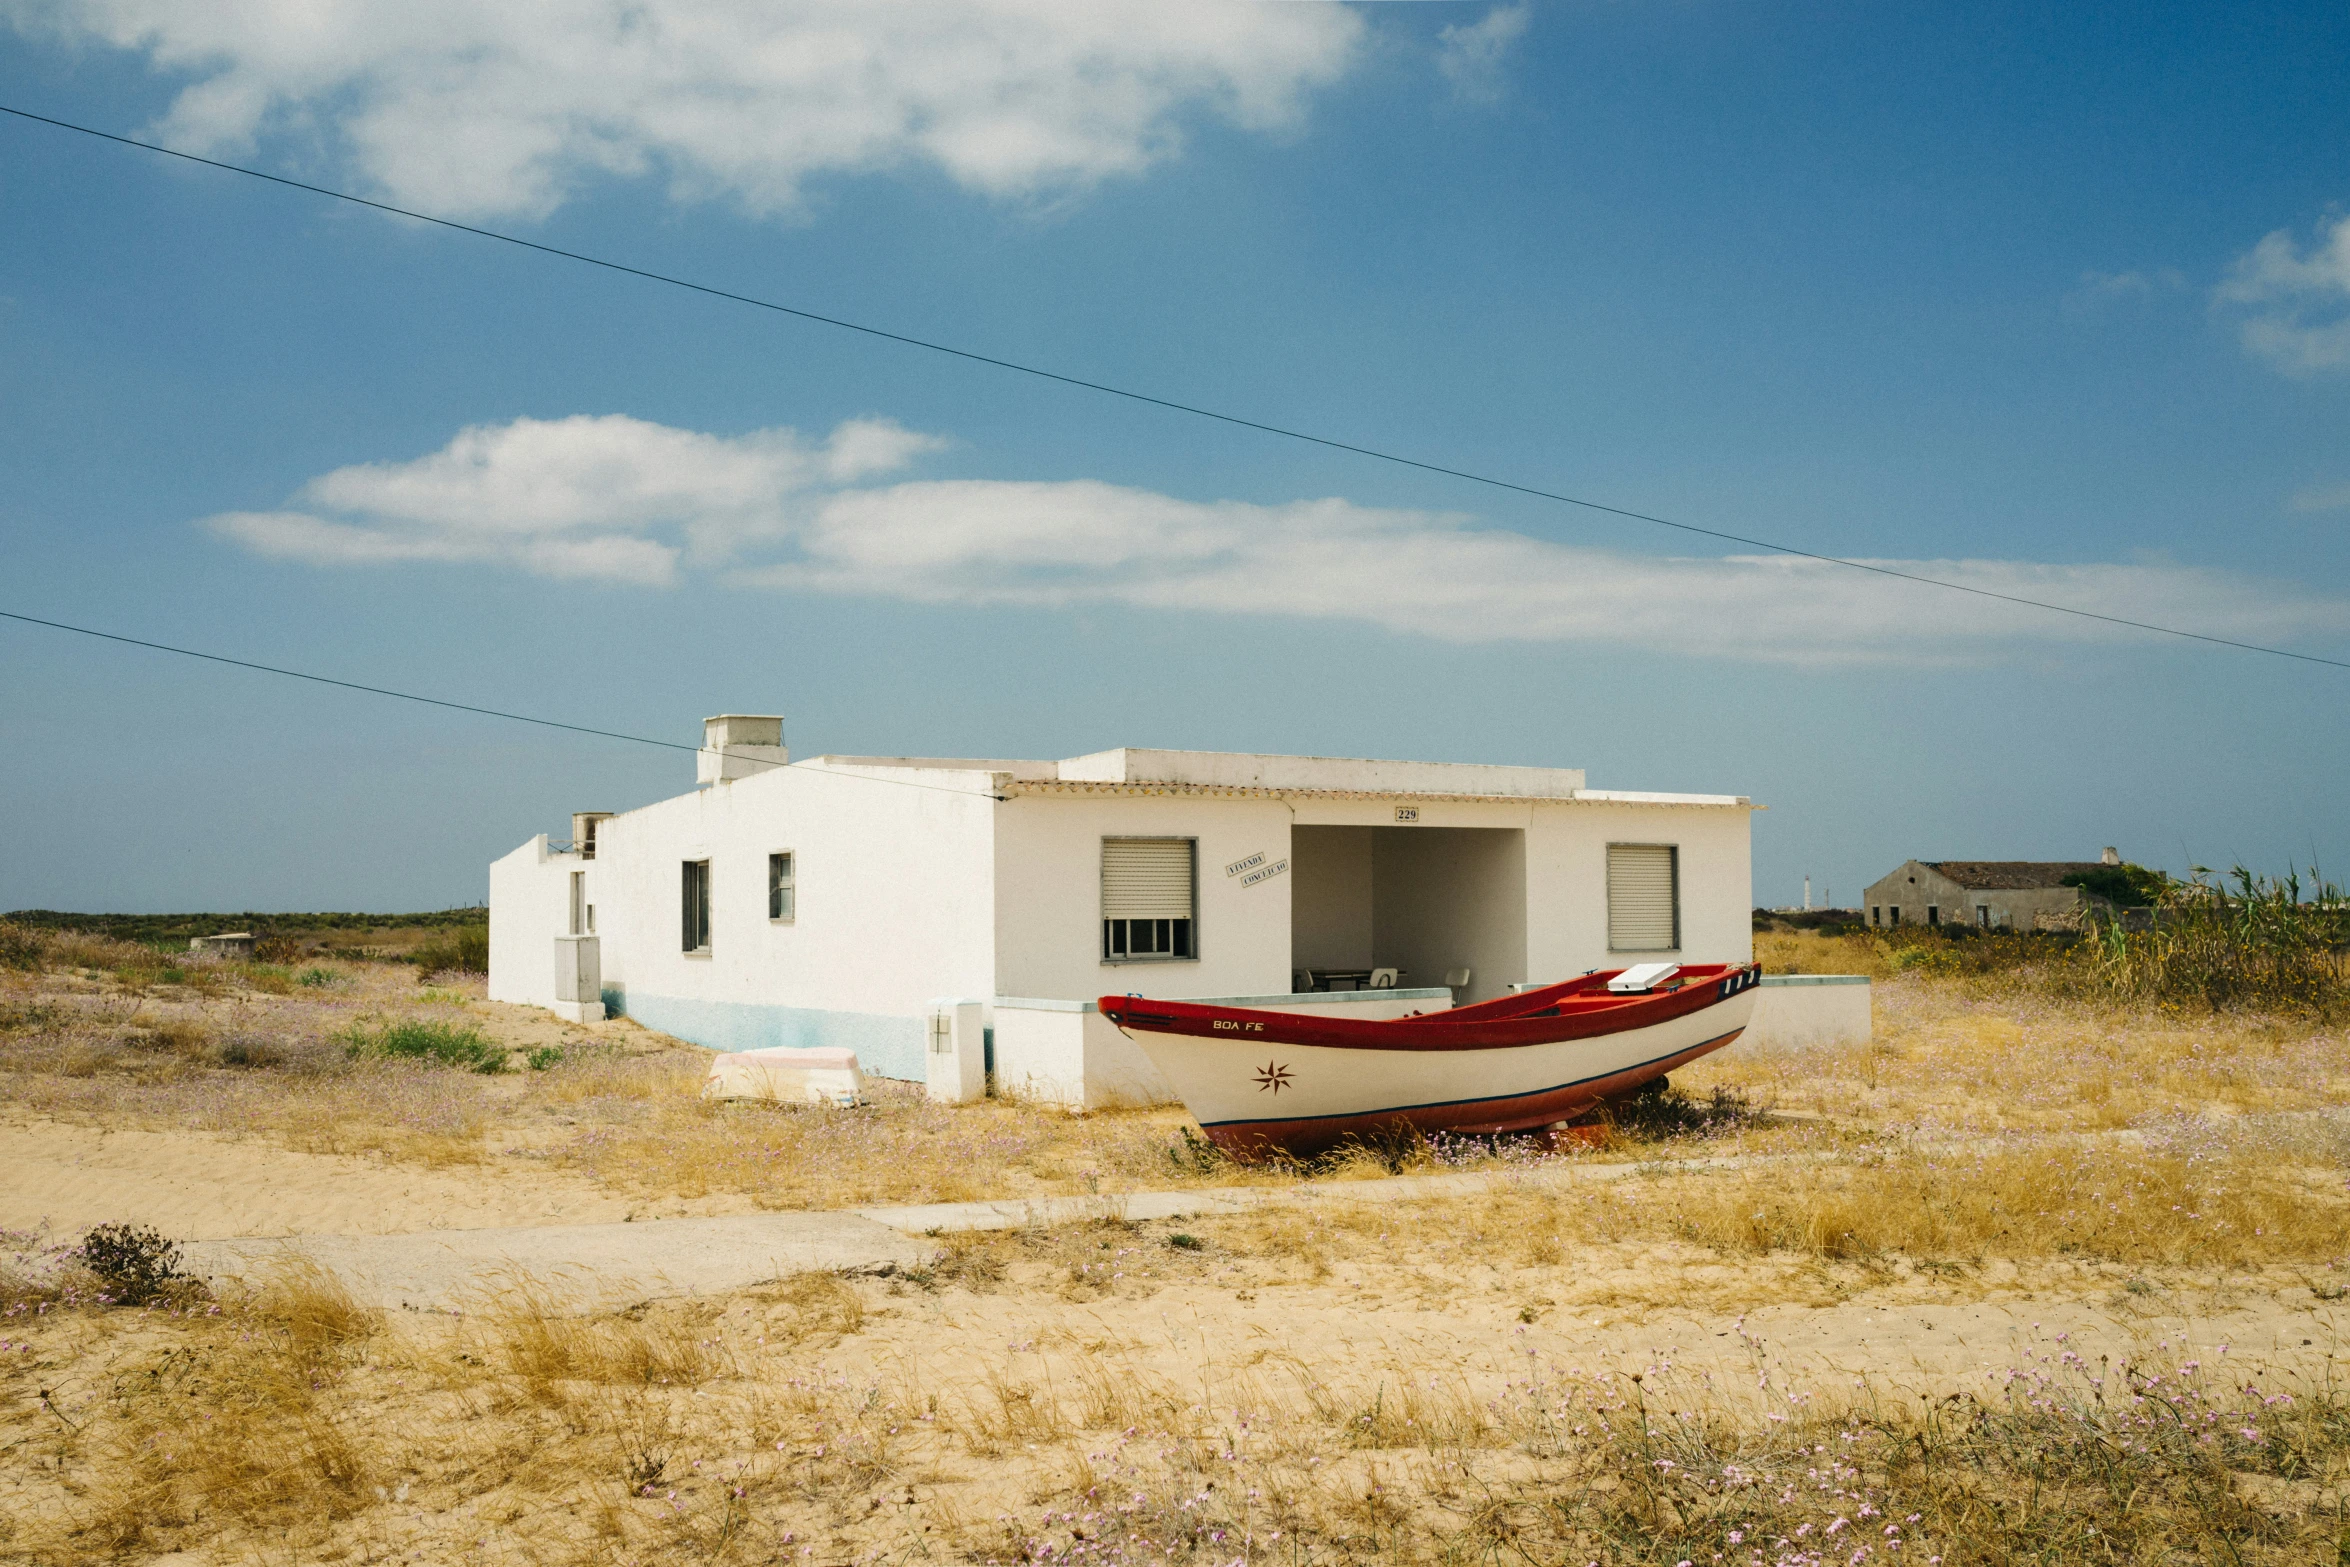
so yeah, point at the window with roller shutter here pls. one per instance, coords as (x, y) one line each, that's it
(1149, 886)
(1643, 897)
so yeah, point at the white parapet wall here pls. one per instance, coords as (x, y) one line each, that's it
(1066, 1053)
(1793, 1011)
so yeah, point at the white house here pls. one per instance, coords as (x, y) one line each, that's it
(838, 901)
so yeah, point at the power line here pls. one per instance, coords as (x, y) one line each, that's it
(1169, 404)
(461, 707)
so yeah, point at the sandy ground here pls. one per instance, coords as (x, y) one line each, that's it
(197, 1186)
(1902, 1340)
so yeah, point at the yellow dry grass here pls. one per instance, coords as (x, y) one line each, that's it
(1000, 1409)
(1332, 1380)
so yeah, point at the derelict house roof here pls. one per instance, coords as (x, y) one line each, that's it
(2011, 875)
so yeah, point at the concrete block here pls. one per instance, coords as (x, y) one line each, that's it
(1792, 1011)
(786, 1076)
(957, 1058)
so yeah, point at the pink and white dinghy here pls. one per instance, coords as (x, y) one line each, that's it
(1262, 1082)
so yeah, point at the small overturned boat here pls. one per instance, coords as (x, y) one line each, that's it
(1265, 1082)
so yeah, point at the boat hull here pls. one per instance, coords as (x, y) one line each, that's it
(1256, 1098)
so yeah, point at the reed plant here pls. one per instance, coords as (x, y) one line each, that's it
(2243, 941)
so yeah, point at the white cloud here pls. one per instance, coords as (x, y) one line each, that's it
(1063, 544)
(2136, 286)
(2321, 497)
(622, 500)
(478, 109)
(2297, 304)
(610, 498)
(1472, 54)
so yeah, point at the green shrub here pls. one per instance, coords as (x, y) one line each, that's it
(2124, 886)
(465, 950)
(316, 978)
(20, 948)
(544, 1057)
(415, 1039)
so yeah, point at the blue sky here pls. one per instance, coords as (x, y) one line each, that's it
(2047, 300)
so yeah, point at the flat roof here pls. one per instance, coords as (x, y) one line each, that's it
(1131, 769)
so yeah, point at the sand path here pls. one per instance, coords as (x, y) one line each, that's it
(604, 1265)
(196, 1186)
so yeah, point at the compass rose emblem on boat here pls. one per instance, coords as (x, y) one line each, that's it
(1272, 1075)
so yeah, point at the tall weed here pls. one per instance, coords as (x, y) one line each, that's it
(2243, 941)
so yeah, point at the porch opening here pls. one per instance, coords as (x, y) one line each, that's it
(1425, 901)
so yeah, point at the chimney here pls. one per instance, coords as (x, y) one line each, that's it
(583, 831)
(739, 745)
(2113, 856)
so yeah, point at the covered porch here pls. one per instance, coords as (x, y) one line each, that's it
(1408, 907)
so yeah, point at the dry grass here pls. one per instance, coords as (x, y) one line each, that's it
(2247, 1203)
(831, 1420)
(1988, 1052)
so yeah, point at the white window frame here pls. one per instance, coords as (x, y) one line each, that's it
(783, 895)
(1609, 911)
(1114, 958)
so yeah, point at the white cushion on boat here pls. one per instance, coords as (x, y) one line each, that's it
(786, 1076)
(1642, 977)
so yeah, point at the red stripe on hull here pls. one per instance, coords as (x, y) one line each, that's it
(1576, 1009)
(1253, 1141)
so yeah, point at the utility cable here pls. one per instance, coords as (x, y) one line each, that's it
(462, 707)
(1169, 404)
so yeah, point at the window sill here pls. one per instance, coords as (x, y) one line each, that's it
(700, 954)
(1131, 962)
(785, 920)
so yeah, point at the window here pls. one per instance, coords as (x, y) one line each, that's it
(1147, 890)
(1876, 915)
(1892, 913)
(1933, 914)
(579, 924)
(782, 901)
(695, 905)
(1983, 915)
(1643, 897)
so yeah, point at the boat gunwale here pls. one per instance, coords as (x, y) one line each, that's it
(1534, 1019)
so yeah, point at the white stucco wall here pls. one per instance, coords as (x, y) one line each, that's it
(530, 905)
(1566, 882)
(892, 909)
(1048, 906)
(1330, 897)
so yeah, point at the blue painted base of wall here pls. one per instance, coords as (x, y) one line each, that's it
(885, 1046)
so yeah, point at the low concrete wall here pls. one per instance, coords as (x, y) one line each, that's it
(885, 1046)
(1067, 1053)
(1795, 1010)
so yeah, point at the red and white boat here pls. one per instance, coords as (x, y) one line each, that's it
(1261, 1082)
